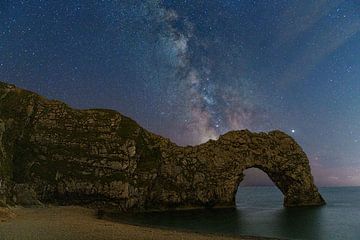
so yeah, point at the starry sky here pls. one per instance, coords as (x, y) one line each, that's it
(192, 70)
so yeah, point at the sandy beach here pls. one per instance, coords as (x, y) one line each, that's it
(81, 223)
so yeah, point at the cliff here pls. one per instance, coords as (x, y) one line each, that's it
(50, 152)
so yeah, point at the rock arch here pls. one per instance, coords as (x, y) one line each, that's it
(218, 168)
(100, 157)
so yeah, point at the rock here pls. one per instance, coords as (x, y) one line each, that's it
(53, 153)
(6, 214)
(24, 195)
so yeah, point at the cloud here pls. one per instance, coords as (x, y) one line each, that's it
(322, 43)
(302, 16)
(335, 176)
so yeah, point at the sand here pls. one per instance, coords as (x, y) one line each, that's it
(81, 223)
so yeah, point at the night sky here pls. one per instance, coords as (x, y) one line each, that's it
(192, 70)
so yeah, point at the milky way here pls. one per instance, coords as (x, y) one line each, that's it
(207, 107)
(193, 70)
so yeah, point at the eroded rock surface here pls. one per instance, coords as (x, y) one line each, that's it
(103, 158)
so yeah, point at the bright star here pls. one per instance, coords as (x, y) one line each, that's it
(293, 130)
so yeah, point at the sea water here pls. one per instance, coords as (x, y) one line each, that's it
(259, 212)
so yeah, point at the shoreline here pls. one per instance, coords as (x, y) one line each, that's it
(73, 222)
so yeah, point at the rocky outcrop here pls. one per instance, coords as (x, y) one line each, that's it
(100, 157)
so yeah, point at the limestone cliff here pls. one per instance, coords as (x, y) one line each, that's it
(53, 153)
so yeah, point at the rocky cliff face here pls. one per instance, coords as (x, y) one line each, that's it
(50, 152)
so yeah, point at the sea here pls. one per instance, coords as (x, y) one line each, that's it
(259, 212)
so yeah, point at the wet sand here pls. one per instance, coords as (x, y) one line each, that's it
(78, 223)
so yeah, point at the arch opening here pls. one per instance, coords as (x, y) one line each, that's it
(256, 189)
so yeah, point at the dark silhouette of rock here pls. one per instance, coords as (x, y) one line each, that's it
(102, 158)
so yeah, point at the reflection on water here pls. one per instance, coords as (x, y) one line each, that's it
(259, 212)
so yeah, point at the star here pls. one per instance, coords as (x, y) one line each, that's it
(178, 71)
